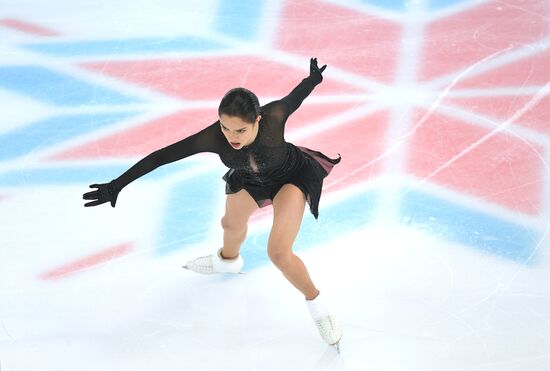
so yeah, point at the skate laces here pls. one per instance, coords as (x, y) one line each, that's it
(204, 261)
(330, 330)
(203, 257)
(214, 263)
(326, 324)
(203, 264)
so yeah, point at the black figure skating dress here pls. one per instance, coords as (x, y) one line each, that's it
(260, 168)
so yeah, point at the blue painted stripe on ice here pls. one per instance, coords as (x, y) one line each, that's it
(437, 4)
(469, 227)
(191, 213)
(85, 175)
(124, 46)
(56, 88)
(52, 131)
(61, 176)
(388, 4)
(239, 19)
(334, 221)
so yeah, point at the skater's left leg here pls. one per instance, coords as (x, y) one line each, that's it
(288, 211)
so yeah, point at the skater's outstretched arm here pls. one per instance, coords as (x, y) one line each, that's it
(207, 140)
(295, 98)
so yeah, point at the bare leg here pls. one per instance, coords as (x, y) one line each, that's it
(288, 211)
(238, 208)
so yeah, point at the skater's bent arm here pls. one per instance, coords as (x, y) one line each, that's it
(305, 87)
(295, 98)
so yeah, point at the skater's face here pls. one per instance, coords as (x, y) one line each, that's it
(239, 133)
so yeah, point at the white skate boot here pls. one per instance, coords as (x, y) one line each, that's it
(214, 263)
(330, 329)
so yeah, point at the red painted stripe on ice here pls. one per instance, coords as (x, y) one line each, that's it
(87, 262)
(202, 78)
(309, 114)
(530, 71)
(503, 107)
(504, 169)
(27, 27)
(362, 145)
(459, 40)
(143, 138)
(339, 36)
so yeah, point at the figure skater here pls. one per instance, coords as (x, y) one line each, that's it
(264, 169)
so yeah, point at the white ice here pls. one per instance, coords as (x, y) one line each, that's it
(408, 299)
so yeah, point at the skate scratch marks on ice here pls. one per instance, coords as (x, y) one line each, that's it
(530, 104)
(526, 107)
(422, 120)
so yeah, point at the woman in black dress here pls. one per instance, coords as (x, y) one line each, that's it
(264, 170)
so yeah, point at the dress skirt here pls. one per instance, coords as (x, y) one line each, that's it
(306, 172)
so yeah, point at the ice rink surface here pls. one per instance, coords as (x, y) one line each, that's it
(432, 245)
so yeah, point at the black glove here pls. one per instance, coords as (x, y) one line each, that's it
(106, 192)
(316, 73)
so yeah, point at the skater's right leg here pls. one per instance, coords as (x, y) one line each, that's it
(238, 209)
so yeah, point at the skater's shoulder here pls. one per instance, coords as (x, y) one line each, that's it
(275, 111)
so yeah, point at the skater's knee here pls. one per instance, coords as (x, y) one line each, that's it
(233, 225)
(281, 258)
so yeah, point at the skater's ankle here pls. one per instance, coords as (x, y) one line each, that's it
(317, 308)
(223, 256)
(314, 296)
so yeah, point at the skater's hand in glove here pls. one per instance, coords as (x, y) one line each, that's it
(106, 192)
(316, 73)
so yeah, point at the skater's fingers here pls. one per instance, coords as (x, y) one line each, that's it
(313, 63)
(94, 203)
(323, 68)
(93, 195)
